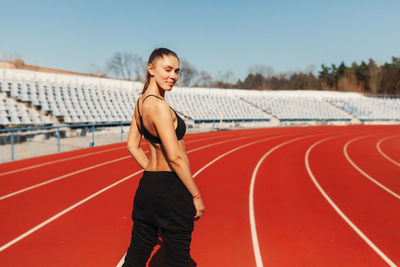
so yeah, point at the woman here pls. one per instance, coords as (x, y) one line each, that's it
(167, 197)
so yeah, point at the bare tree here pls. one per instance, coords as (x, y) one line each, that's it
(309, 69)
(226, 77)
(187, 73)
(126, 65)
(264, 70)
(95, 69)
(10, 56)
(375, 76)
(204, 80)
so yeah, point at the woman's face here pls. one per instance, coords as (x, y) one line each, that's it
(165, 71)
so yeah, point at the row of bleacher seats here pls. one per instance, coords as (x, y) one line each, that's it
(71, 99)
(324, 105)
(14, 113)
(32, 98)
(369, 108)
(204, 104)
(75, 104)
(296, 108)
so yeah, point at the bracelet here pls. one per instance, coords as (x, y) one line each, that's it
(197, 195)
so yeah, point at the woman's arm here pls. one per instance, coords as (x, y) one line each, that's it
(133, 145)
(184, 151)
(163, 121)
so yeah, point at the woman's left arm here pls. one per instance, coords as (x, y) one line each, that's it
(184, 150)
(133, 144)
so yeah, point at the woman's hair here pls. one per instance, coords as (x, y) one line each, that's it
(156, 54)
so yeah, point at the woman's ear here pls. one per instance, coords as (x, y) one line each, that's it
(150, 69)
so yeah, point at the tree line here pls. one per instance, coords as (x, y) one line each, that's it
(366, 77)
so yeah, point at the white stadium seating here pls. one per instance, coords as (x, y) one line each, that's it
(204, 104)
(369, 109)
(14, 113)
(297, 105)
(39, 98)
(72, 98)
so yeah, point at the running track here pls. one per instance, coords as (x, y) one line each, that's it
(295, 196)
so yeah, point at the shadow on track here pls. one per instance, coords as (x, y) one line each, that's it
(158, 259)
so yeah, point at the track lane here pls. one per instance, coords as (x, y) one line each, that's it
(389, 147)
(365, 156)
(375, 212)
(12, 167)
(290, 214)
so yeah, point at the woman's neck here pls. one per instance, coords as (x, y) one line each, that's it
(154, 89)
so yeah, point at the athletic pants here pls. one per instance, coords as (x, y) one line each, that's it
(161, 202)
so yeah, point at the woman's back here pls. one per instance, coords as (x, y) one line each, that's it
(144, 109)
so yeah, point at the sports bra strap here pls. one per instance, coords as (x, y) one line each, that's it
(144, 100)
(151, 95)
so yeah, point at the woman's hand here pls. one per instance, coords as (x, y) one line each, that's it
(199, 205)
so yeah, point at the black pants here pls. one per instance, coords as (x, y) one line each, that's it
(161, 202)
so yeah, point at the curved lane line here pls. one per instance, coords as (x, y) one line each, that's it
(254, 238)
(96, 166)
(57, 161)
(378, 146)
(34, 229)
(361, 171)
(337, 209)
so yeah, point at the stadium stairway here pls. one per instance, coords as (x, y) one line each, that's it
(354, 119)
(274, 120)
(45, 116)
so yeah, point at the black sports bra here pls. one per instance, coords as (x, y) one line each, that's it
(180, 128)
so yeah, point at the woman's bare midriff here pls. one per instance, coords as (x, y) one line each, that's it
(157, 159)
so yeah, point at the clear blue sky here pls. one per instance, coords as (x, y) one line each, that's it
(215, 36)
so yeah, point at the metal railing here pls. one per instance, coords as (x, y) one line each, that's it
(28, 142)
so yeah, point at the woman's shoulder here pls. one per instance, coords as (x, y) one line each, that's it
(155, 106)
(160, 107)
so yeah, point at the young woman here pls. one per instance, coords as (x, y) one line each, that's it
(167, 197)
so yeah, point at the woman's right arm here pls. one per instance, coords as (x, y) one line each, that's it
(163, 121)
(133, 145)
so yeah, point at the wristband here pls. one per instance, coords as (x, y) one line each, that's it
(197, 195)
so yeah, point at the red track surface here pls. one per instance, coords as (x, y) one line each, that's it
(323, 196)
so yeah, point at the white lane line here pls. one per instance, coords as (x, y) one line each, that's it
(57, 161)
(75, 157)
(363, 172)
(237, 148)
(121, 261)
(254, 238)
(119, 264)
(378, 146)
(93, 167)
(72, 207)
(336, 208)
(37, 227)
(60, 177)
